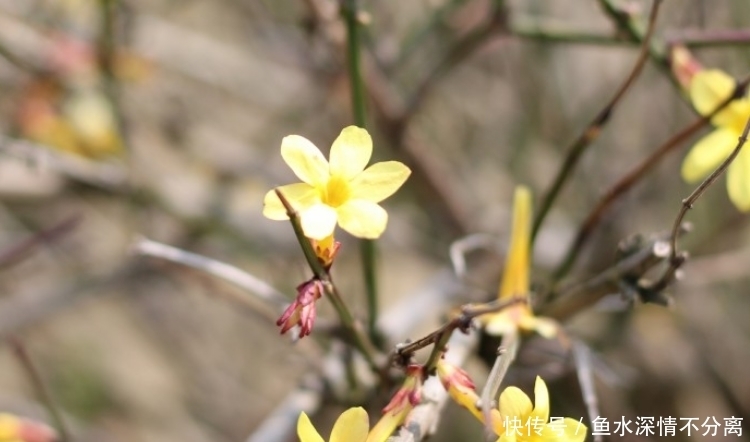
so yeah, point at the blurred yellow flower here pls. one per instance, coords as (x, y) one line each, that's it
(341, 191)
(515, 280)
(518, 419)
(17, 429)
(708, 89)
(351, 426)
(10, 428)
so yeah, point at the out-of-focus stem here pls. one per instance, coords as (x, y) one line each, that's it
(19, 349)
(368, 251)
(594, 128)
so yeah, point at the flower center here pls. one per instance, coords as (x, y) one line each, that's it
(337, 191)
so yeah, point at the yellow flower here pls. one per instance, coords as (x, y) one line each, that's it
(460, 387)
(16, 429)
(10, 428)
(708, 89)
(517, 419)
(515, 280)
(351, 426)
(341, 191)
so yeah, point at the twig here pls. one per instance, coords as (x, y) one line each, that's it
(569, 301)
(631, 178)
(676, 259)
(398, 321)
(20, 250)
(706, 37)
(360, 338)
(368, 251)
(232, 274)
(594, 128)
(461, 322)
(424, 418)
(459, 248)
(506, 354)
(19, 350)
(625, 21)
(582, 357)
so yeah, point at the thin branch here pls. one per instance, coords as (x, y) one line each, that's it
(571, 300)
(506, 354)
(459, 51)
(19, 350)
(399, 321)
(360, 339)
(423, 420)
(676, 259)
(21, 250)
(582, 357)
(594, 128)
(708, 37)
(631, 178)
(232, 274)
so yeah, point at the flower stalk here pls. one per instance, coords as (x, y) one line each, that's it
(367, 248)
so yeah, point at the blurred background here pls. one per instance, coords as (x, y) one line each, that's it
(163, 119)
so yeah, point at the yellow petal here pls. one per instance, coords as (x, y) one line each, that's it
(734, 116)
(738, 180)
(388, 424)
(10, 427)
(318, 221)
(546, 327)
(466, 398)
(351, 426)
(516, 275)
(499, 324)
(709, 88)
(300, 195)
(351, 152)
(379, 181)
(708, 153)
(305, 160)
(515, 404)
(363, 219)
(541, 401)
(306, 431)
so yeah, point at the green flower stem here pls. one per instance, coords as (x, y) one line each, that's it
(360, 339)
(368, 251)
(107, 53)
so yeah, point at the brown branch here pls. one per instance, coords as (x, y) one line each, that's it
(631, 178)
(676, 259)
(594, 128)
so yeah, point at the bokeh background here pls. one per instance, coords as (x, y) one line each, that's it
(474, 97)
